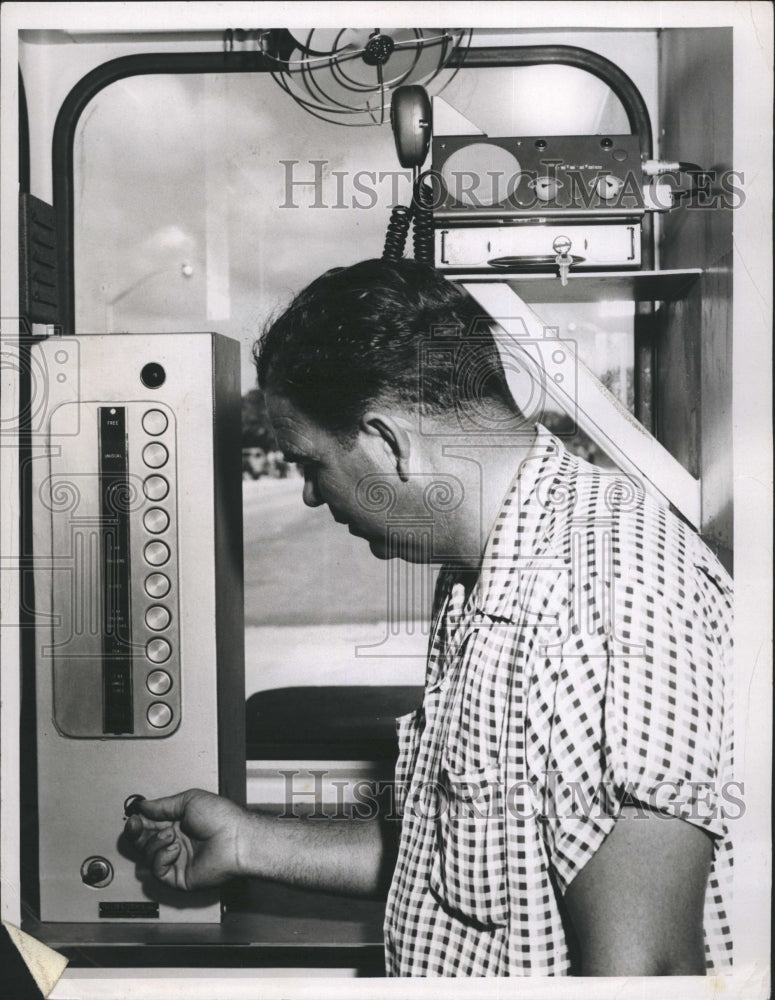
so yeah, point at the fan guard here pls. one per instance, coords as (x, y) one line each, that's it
(347, 75)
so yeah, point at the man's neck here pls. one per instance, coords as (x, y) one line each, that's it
(487, 472)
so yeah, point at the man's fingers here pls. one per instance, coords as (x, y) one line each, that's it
(169, 807)
(139, 829)
(158, 840)
(164, 859)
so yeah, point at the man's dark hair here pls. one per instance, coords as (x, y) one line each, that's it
(390, 331)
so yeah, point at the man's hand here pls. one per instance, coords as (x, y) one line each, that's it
(190, 840)
(195, 840)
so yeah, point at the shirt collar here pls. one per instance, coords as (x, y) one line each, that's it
(514, 534)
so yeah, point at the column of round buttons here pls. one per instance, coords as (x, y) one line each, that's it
(157, 554)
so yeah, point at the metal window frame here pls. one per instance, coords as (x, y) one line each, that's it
(145, 64)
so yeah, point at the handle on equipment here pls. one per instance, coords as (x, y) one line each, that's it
(411, 119)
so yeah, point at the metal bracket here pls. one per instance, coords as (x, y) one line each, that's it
(597, 412)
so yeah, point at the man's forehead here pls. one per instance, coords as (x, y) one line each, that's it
(294, 431)
(282, 412)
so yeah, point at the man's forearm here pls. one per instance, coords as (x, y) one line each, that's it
(351, 856)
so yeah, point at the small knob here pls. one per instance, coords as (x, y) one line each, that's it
(96, 872)
(546, 188)
(608, 186)
(131, 803)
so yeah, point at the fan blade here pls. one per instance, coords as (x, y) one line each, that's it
(330, 41)
(354, 38)
(358, 38)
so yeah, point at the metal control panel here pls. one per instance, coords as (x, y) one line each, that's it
(537, 203)
(123, 530)
(139, 660)
(507, 178)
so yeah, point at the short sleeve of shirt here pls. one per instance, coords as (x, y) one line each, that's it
(630, 707)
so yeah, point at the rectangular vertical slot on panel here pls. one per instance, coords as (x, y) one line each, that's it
(117, 705)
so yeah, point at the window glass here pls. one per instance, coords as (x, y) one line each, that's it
(205, 202)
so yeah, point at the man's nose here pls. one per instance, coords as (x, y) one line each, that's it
(309, 493)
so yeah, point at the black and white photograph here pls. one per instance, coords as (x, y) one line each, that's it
(386, 528)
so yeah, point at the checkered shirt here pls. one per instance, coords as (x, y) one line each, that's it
(588, 668)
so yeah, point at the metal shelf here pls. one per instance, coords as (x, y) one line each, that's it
(638, 286)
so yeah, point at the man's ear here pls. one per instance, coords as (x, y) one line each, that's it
(395, 437)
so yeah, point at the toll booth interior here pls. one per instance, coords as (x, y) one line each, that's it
(681, 369)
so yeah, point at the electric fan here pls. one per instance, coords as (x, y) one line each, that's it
(347, 75)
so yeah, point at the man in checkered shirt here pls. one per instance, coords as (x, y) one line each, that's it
(563, 787)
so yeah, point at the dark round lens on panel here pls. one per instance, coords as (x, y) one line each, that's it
(153, 375)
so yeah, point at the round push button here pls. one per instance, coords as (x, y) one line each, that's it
(157, 585)
(97, 872)
(158, 682)
(156, 520)
(155, 422)
(157, 617)
(156, 553)
(620, 155)
(156, 487)
(155, 455)
(158, 650)
(159, 715)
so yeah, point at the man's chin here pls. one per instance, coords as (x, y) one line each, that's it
(383, 550)
(380, 549)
